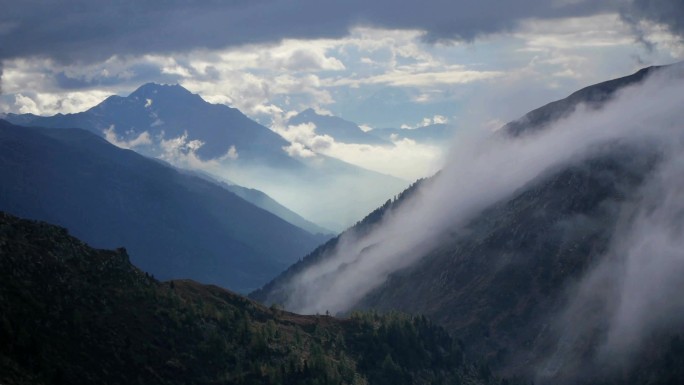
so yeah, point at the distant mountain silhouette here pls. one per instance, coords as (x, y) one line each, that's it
(341, 130)
(168, 112)
(174, 225)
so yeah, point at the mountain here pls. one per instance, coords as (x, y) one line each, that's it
(436, 134)
(593, 96)
(171, 123)
(167, 112)
(341, 130)
(174, 225)
(530, 281)
(77, 315)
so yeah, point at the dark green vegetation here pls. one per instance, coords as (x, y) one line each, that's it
(174, 225)
(75, 315)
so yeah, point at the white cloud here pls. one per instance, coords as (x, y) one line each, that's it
(539, 57)
(298, 150)
(141, 140)
(437, 119)
(404, 159)
(450, 75)
(232, 153)
(365, 127)
(26, 105)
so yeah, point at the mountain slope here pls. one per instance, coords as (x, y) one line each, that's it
(77, 315)
(505, 280)
(174, 225)
(593, 96)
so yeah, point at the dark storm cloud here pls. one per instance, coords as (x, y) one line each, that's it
(666, 12)
(78, 30)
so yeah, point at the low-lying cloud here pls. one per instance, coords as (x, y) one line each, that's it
(633, 293)
(642, 274)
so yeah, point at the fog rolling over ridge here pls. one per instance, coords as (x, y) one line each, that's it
(484, 169)
(634, 292)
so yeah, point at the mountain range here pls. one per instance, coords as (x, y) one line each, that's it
(173, 224)
(550, 249)
(161, 113)
(173, 124)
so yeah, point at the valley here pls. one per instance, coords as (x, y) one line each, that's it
(342, 193)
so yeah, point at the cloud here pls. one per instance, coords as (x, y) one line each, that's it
(298, 150)
(650, 249)
(25, 105)
(631, 296)
(92, 30)
(437, 119)
(669, 13)
(232, 153)
(141, 140)
(404, 158)
(90, 36)
(413, 77)
(485, 168)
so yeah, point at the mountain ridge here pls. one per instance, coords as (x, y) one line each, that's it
(77, 315)
(183, 225)
(171, 123)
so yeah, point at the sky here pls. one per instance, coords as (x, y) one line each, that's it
(378, 63)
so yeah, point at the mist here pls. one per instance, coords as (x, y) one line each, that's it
(634, 292)
(633, 289)
(334, 200)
